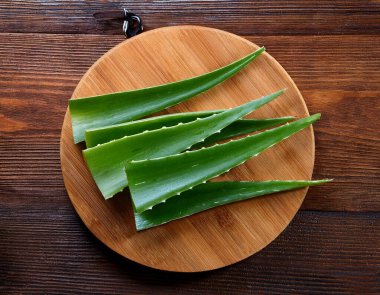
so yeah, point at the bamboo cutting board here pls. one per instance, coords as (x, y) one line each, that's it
(220, 236)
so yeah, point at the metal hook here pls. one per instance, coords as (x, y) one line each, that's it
(132, 24)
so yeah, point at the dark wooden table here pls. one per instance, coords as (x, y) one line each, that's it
(332, 51)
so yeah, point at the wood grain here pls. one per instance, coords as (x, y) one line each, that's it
(223, 235)
(240, 17)
(45, 249)
(320, 252)
(39, 73)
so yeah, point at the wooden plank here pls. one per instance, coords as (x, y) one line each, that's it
(240, 17)
(46, 248)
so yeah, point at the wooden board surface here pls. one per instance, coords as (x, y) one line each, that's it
(220, 236)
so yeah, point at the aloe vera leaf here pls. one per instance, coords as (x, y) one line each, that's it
(242, 127)
(114, 108)
(108, 133)
(154, 181)
(106, 162)
(213, 194)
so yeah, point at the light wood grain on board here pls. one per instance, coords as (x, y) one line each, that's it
(220, 236)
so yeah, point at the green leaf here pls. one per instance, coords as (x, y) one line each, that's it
(212, 194)
(154, 181)
(242, 127)
(114, 108)
(107, 161)
(108, 133)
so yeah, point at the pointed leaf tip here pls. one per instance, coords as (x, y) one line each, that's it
(115, 108)
(315, 117)
(213, 194)
(201, 165)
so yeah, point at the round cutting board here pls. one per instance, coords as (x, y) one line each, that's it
(220, 236)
